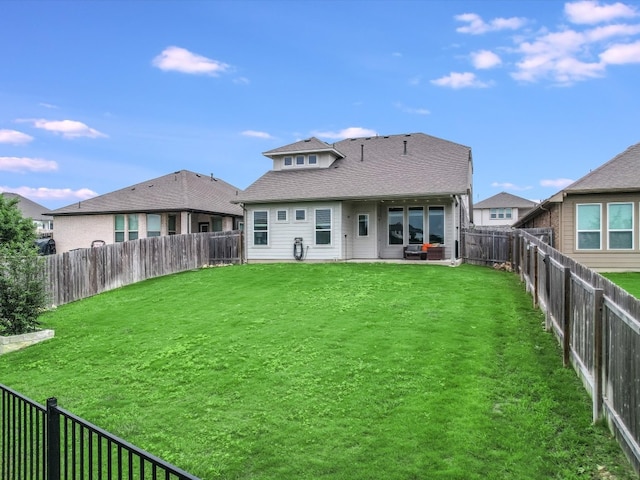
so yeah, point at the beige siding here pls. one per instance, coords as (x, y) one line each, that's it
(604, 259)
(73, 232)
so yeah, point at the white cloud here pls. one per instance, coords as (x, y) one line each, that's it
(477, 26)
(460, 80)
(510, 186)
(414, 81)
(599, 34)
(351, 132)
(256, 134)
(561, 56)
(44, 193)
(67, 128)
(14, 137)
(48, 105)
(241, 81)
(182, 60)
(592, 12)
(484, 59)
(411, 110)
(621, 54)
(26, 164)
(556, 182)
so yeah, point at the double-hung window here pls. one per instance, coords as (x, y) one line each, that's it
(620, 226)
(260, 227)
(589, 226)
(323, 226)
(153, 225)
(118, 226)
(132, 221)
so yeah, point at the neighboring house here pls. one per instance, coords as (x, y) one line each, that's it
(181, 202)
(502, 209)
(40, 215)
(360, 198)
(595, 219)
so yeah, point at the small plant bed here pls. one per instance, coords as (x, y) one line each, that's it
(336, 371)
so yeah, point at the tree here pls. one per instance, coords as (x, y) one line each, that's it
(22, 293)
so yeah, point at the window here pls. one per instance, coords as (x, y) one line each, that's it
(153, 225)
(132, 221)
(312, 159)
(288, 161)
(436, 224)
(501, 213)
(300, 160)
(588, 226)
(301, 215)
(172, 223)
(217, 224)
(260, 227)
(281, 215)
(620, 225)
(395, 220)
(416, 225)
(363, 225)
(119, 228)
(323, 226)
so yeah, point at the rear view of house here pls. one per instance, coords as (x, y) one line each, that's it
(360, 198)
(180, 202)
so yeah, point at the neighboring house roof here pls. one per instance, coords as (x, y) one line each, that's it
(178, 191)
(309, 145)
(620, 173)
(504, 199)
(371, 167)
(29, 208)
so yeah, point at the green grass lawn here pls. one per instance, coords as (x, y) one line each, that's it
(336, 371)
(630, 281)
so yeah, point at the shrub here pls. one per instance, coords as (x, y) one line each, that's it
(22, 294)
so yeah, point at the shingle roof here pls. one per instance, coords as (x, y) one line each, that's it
(178, 191)
(309, 145)
(431, 166)
(620, 173)
(29, 208)
(504, 199)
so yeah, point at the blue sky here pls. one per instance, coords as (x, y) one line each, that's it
(99, 95)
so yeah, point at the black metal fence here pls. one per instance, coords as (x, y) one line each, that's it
(49, 443)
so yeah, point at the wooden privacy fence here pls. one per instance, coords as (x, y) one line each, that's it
(597, 324)
(82, 273)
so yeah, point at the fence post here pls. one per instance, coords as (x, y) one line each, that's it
(547, 291)
(598, 311)
(53, 440)
(566, 313)
(534, 254)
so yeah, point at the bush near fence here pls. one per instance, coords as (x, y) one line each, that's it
(79, 274)
(596, 323)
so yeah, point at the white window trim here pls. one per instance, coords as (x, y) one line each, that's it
(284, 165)
(286, 214)
(315, 229)
(295, 216)
(444, 223)
(366, 215)
(253, 229)
(404, 221)
(578, 231)
(632, 229)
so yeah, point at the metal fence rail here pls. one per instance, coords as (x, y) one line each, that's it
(50, 443)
